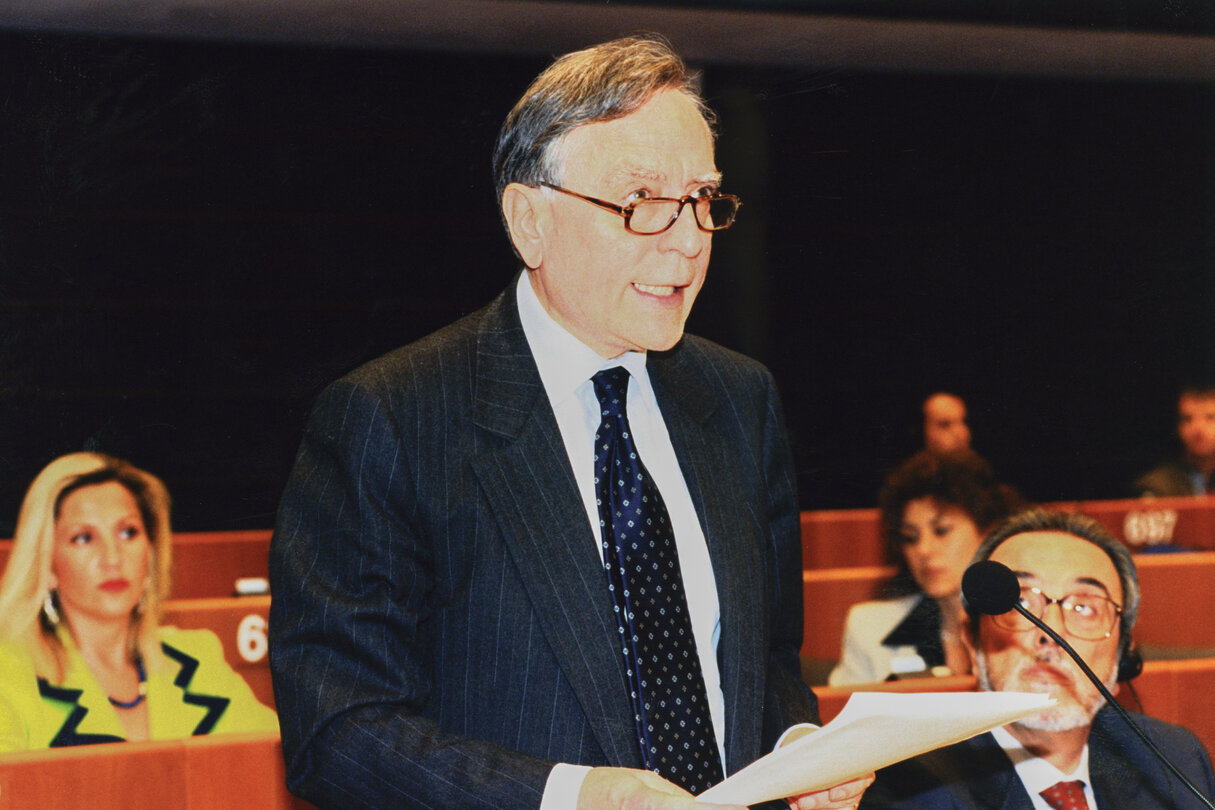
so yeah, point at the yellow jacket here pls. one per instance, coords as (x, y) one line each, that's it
(195, 692)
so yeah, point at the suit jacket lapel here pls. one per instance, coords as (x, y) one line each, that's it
(533, 496)
(687, 402)
(996, 784)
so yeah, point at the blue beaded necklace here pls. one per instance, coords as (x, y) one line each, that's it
(143, 690)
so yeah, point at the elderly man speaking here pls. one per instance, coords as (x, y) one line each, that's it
(549, 555)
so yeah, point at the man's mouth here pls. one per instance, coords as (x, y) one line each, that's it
(653, 289)
(1045, 672)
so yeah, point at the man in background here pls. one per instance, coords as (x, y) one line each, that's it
(945, 427)
(1194, 472)
(1077, 754)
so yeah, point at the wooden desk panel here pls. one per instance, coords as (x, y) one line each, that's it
(841, 537)
(221, 772)
(827, 595)
(208, 564)
(1178, 601)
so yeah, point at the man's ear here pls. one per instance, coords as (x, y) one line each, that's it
(526, 212)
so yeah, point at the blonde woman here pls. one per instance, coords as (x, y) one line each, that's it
(83, 658)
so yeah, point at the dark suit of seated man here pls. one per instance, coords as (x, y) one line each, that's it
(458, 619)
(1083, 583)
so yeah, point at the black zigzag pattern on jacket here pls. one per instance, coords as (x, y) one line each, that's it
(215, 706)
(67, 734)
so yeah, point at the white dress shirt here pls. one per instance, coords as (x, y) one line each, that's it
(1037, 774)
(566, 366)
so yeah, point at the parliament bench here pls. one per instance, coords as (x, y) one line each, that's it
(827, 594)
(839, 538)
(207, 564)
(217, 772)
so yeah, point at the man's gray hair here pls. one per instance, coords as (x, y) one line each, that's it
(601, 83)
(1084, 528)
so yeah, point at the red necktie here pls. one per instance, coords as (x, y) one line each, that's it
(1066, 796)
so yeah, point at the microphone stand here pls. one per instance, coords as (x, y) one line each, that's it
(1109, 698)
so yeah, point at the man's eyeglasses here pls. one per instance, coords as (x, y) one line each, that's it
(652, 215)
(1086, 616)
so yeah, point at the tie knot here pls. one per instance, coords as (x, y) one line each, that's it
(611, 389)
(1066, 796)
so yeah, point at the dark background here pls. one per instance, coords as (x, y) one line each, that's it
(196, 235)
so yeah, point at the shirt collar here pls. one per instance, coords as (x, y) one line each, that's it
(1036, 773)
(565, 362)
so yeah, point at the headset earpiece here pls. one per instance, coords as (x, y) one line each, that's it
(1130, 664)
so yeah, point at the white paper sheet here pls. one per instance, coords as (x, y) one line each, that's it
(874, 729)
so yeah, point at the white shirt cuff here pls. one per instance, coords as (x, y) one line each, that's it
(561, 789)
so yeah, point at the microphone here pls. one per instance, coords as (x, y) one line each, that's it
(991, 588)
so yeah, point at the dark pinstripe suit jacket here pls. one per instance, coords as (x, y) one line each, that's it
(977, 775)
(441, 632)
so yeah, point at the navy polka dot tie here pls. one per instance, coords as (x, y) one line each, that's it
(1066, 796)
(666, 685)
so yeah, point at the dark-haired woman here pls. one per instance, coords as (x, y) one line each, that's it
(935, 510)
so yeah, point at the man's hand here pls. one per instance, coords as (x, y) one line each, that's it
(841, 797)
(629, 789)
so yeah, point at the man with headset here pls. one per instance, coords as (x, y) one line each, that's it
(1076, 754)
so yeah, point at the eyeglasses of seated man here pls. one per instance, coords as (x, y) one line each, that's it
(1087, 616)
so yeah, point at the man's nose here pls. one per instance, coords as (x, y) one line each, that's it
(1054, 620)
(684, 234)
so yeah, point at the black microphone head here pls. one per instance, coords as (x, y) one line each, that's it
(990, 587)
